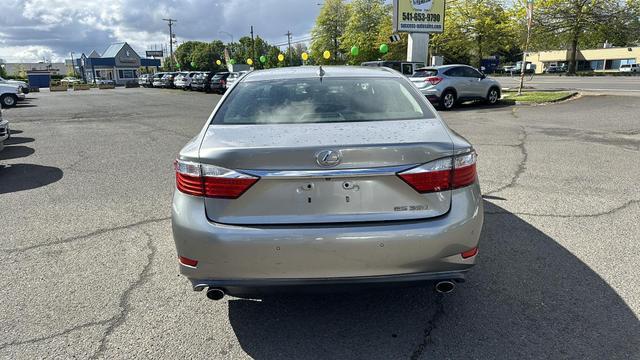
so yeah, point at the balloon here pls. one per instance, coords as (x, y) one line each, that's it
(326, 54)
(178, 65)
(218, 62)
(280, 57)
(263, 59)
(249, 61)
(305, 56)
(232, 61)
(384, 48)
(193, 64)
(355, 51)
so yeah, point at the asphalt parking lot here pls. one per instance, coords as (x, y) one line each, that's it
(90, 271)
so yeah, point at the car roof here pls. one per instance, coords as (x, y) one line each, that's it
(312, 71)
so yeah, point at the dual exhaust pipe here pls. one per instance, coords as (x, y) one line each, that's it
(442, 287)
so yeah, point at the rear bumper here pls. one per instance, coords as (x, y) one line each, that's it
(241, 254)
(270, 286)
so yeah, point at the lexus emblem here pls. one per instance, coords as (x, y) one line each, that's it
(328, 158)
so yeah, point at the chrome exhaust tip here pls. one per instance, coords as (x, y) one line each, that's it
(445, 287)
(215, 293)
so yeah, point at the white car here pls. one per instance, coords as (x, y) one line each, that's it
(183, 80)
(70, 81)
(22, 84)
(233, 77)
(5, 133)
(10, 94)
(631, 68)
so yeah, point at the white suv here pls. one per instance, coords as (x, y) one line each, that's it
(632, 68)
(183, 80)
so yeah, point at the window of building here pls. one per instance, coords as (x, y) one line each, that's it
(127, 74)
(597, 65)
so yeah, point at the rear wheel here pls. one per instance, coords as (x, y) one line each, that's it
(493, 96)
(8, 100)
(447, 100)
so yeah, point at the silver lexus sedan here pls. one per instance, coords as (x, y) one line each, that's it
(325, 178)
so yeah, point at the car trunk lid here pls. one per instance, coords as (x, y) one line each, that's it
(294, 188)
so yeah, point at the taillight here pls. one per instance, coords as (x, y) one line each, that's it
(433, 80)
(442, 174)
(211, 181)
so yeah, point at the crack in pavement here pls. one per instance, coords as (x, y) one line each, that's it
(431, 325)
(521, 167)
(124, 302)
(65, 332)
(85, 236)
(608, 212)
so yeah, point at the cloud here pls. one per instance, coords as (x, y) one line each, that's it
(54, 28)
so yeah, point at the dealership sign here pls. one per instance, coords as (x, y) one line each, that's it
(154, 53)
(418, 16)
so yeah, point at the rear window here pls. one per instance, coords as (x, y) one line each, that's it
(424, 73)
(315, 101)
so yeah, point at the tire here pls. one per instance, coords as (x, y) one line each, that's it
(8, 100)
(493, 96)
(447, 100)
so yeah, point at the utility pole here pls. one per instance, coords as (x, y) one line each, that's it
(253, 46)
(289, 41)
(171, 21)
(526, 45)
(73, 66)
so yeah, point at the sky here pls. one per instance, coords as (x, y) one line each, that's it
(31, 30)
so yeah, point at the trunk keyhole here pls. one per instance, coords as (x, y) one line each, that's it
(347, 198)
(309, 200)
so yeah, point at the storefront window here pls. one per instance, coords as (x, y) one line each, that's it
(127, 74)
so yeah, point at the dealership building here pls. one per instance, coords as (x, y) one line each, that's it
(119, 62)
(607, 59)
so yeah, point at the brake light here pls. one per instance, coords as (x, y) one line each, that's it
(442, 174)
(211, 181)
(434, 80)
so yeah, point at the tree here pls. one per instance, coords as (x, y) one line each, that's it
(475, 29)
(363, 29)
(568, 21)
(397, 50)
(3, 71)
(328, 31)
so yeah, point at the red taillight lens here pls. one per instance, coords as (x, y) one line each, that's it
(211, 181)
(470, 253)
(464, 170)
(431, 177)
(433, 80)
(442, 174)
(188, 262)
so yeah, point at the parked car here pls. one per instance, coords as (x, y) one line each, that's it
(22, 84)
(102, 81)
(341, 176)
(632, 68)
(5, 132)
(10, 94)
(69, 80)
(185, 80)
(234, 76)
(145, 80)
(156, 81)
(405, 67)
(553, 69)
(200, 81)
(168, 80)
(218, 83)
(450, 84)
